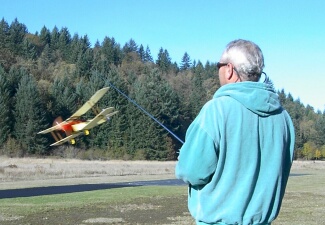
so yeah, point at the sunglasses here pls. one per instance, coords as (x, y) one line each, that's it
(219, 64)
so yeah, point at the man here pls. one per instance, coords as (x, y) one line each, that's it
(239, 149)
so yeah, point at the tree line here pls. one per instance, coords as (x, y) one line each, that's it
(52, 73)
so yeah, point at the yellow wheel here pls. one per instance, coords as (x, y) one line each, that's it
(72, 141)
(86, 132)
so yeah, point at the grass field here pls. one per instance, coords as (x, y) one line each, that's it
(304, 202)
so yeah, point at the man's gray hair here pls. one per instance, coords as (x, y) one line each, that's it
(246, 57)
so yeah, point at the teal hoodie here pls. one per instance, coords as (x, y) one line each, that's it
(237, 156)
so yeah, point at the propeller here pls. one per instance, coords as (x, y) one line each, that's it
(57, 121)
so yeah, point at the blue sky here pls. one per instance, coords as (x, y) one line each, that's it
(291, 34)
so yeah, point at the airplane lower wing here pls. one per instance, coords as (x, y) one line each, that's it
(107, 117)
(54, 128)
(66, 139)
(89, 104)
(100, 118)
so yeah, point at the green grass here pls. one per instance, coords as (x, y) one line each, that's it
(32, 210)
(27, 205)
(304, 201)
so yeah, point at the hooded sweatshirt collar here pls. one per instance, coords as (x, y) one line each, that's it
(259, 98)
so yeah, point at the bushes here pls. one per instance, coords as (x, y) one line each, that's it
(310, 151)
(11, 148)
(72, 152)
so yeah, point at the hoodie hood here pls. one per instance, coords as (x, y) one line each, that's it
(259, 98)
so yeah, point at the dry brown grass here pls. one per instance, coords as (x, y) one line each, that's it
(33, 172)
(307, 165)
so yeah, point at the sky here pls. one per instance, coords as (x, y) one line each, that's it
(291, 34)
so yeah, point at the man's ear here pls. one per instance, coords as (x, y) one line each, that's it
(229, 71)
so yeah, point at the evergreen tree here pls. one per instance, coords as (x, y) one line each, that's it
(147, 55)
(130, 46)
(4, 34)
(147, 137)
(64, 43)
(5, 108)
(141, 53)
(118, 125)
(17, 32)
(97, 44)
(186, 62)
(160, 57)
(78, 45)
(194, 63)
(170, 115)
(111, 52)
(86, 87)
(198, 96)
(14, 76)
(282, 96)
(45, 36)
(163, 60)
(133, 115)
(108, 50)
(45, 59)
(85, 43)
(320, 129)
(85, 63)
(75, 48)
(55, 35)
(199, 70)
(29, 50)
(211, 69)
(295, 110)
(7, 57)
(64, 98)
(97, 59)
(156, 97)
(30, 117)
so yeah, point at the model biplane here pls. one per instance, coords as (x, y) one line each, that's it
(75, 126)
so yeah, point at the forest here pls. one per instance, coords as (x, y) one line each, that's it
(52, 73)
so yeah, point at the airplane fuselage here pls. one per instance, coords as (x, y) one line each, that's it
(73, 126)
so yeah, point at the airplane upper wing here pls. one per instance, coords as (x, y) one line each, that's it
(89, 104)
